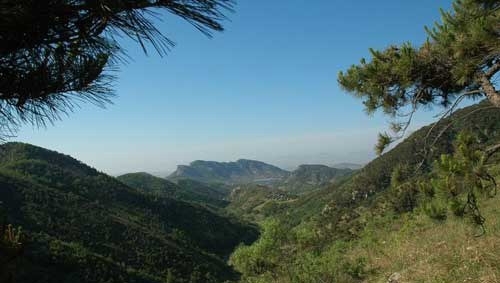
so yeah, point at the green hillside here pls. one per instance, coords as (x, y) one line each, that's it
(256, 202)
(369, 185)
(148, 183)
(83, 226)
(389, 219)
(186, 190)
(424, 209)
(204, 191)
(313, 177)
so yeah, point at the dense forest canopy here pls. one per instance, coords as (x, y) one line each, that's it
(81, 225)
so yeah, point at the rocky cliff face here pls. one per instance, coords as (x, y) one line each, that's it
(241, 171)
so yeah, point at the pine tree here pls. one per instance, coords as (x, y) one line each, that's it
(460, 59)
(56, 53)
(460, 179)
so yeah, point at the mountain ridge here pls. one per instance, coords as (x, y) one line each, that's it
(85, 226)
(308, 177)
(186, 190)
(233, 172)
(245, 171)
(329, 235)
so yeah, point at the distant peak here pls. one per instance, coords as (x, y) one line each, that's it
(239, 171)
(137, 174)
(248, 160)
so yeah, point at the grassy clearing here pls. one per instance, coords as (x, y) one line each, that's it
(424, 250)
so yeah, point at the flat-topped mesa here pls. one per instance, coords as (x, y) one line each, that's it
(235, 172)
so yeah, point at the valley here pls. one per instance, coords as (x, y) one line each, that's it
(143, 228)
(407, 193)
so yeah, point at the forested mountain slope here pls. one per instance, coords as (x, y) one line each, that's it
(420, 150)
(309, 177)
(254, 202)
(83, 226)
(187, 190)
(373, 225)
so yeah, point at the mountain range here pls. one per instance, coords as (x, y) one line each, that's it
(318, 223)
(80, 225)
(241, 171)
(385, 221)
(244, 171)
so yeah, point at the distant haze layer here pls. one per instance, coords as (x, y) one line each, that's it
(162, 157)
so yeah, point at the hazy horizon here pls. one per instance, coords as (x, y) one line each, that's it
(265, 89)
(354, 147)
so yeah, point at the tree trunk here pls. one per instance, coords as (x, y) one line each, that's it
(489, 90)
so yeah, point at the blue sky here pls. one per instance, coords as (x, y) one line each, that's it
(264, 89)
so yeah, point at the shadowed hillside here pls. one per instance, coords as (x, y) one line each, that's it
(186, 190)
(84, 226)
